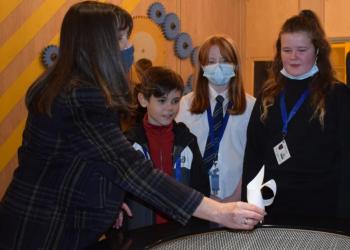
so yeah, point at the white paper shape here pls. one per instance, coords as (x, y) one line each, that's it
(254, 187)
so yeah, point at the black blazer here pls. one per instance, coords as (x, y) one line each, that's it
(73, 169)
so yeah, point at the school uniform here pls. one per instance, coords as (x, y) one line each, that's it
(187, 165)
(232, 145)
(313, 180)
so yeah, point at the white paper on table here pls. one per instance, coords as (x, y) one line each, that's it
(254, 187)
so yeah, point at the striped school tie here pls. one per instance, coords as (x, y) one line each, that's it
(210, 154)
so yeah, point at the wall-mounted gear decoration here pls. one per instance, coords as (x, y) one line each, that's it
(49, 55)
(194, 56)
(148, 41)
(183, 45)
(171, 26)
(188, 85)
(156, 12)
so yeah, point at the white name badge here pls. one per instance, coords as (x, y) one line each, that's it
(281, 152)
(214, 175)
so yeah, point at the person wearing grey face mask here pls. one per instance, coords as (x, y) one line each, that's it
(217, 112)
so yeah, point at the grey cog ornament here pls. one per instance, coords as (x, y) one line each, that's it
(171, 26)
(156, 12)
(183, 45)
(49, 55)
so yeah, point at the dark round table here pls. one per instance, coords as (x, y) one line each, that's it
(279, 233)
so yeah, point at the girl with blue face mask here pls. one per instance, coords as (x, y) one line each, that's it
(217, 112)
(299, 128)
(218, 74)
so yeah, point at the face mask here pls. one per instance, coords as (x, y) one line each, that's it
(219, 73)
(308, 74)
(127, 58)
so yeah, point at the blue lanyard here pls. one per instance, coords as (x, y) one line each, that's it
(287, 117)
(145, 152)
(178, 169)
(177, 164)
(221, 130)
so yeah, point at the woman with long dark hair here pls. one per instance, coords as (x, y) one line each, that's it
(75, 163)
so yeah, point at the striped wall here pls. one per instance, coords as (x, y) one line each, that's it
(26, 27)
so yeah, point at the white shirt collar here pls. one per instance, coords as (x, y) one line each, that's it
(213, 94)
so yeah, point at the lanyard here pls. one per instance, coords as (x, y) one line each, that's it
(145, 152)
(220, 134)
(287, 117)
(177, 164)
(178, 169)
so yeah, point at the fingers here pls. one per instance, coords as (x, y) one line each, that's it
(244, 216)
(119, 221)
(250, 211)
(248, 223)
(244, 223)
(252, 215)
(251, 207)
(126, 208)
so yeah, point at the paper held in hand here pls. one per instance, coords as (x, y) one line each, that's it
(254, 195)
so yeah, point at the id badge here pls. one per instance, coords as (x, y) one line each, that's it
(281, 152)
(214, 179)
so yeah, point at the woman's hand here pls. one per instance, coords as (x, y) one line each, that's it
(119, 221)
(235, 215)
(239, 215)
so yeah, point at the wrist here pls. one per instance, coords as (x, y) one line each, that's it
(211, 210)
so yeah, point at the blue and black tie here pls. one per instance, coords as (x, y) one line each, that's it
(210, 154)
